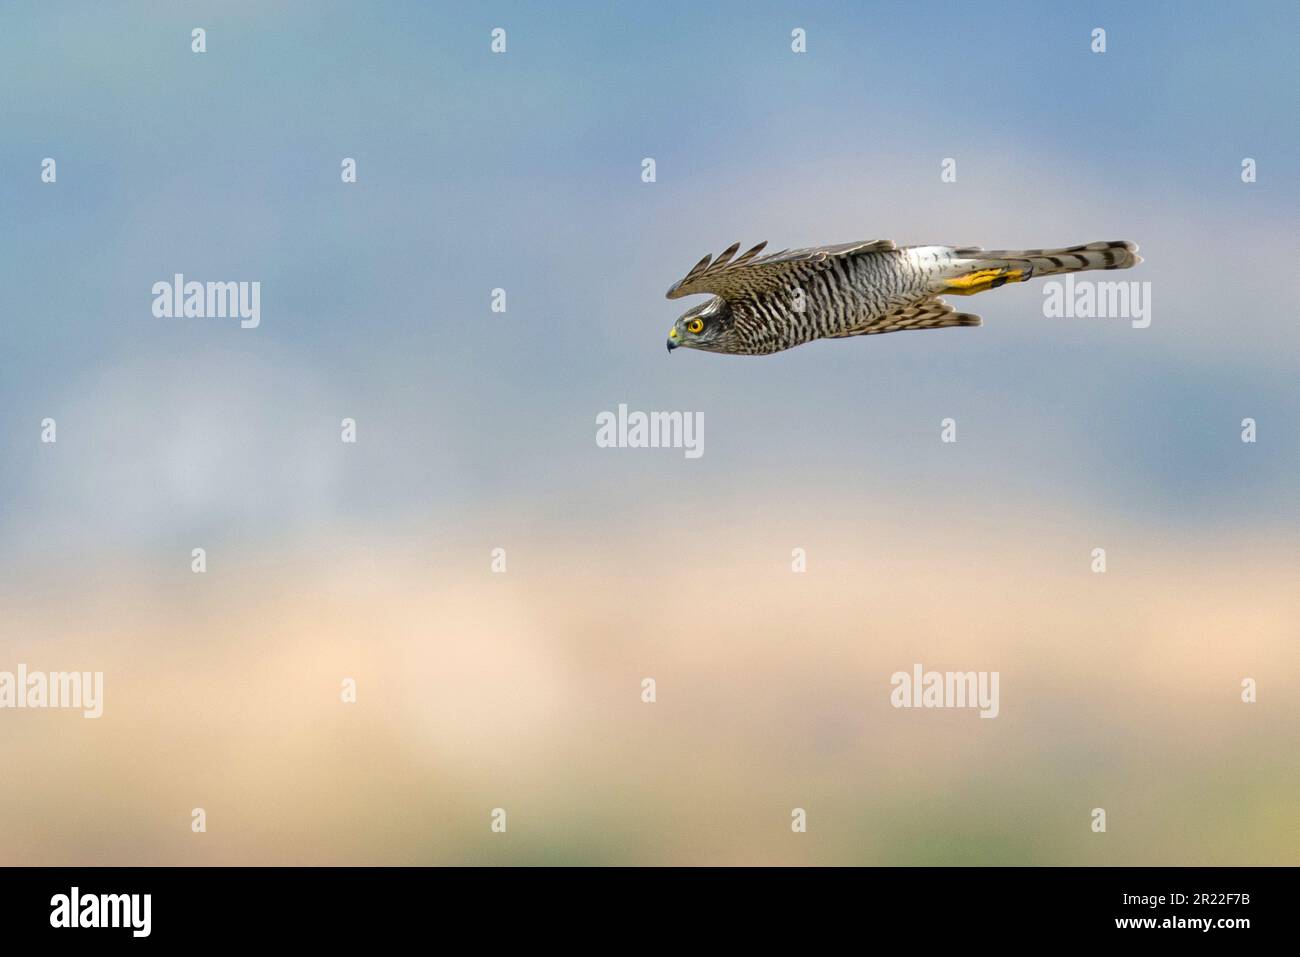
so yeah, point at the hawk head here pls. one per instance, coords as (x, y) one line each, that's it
(707, 326)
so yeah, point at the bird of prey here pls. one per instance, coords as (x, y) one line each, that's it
(765, 304)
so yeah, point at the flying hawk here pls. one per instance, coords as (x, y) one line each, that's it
(765, 304)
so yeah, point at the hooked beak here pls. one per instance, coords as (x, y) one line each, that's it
(672, 339)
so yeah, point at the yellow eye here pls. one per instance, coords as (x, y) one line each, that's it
(696, 325)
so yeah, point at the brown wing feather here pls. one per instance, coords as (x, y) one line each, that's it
(749, 273)
(926, 314)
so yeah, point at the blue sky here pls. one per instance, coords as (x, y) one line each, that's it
(521, 171)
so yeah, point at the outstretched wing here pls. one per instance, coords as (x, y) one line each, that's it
(751, 274)
(931, 313)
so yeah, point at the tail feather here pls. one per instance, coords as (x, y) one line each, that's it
(1105, 255)
(1119, 254)
(998, 266)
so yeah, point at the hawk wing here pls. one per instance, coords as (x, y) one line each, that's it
(931, 313)
(751, 274)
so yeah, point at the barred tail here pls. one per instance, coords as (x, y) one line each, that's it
(987, 269)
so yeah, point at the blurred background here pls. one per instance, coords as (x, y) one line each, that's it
(476, 430)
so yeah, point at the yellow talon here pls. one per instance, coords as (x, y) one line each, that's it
(983, 279)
